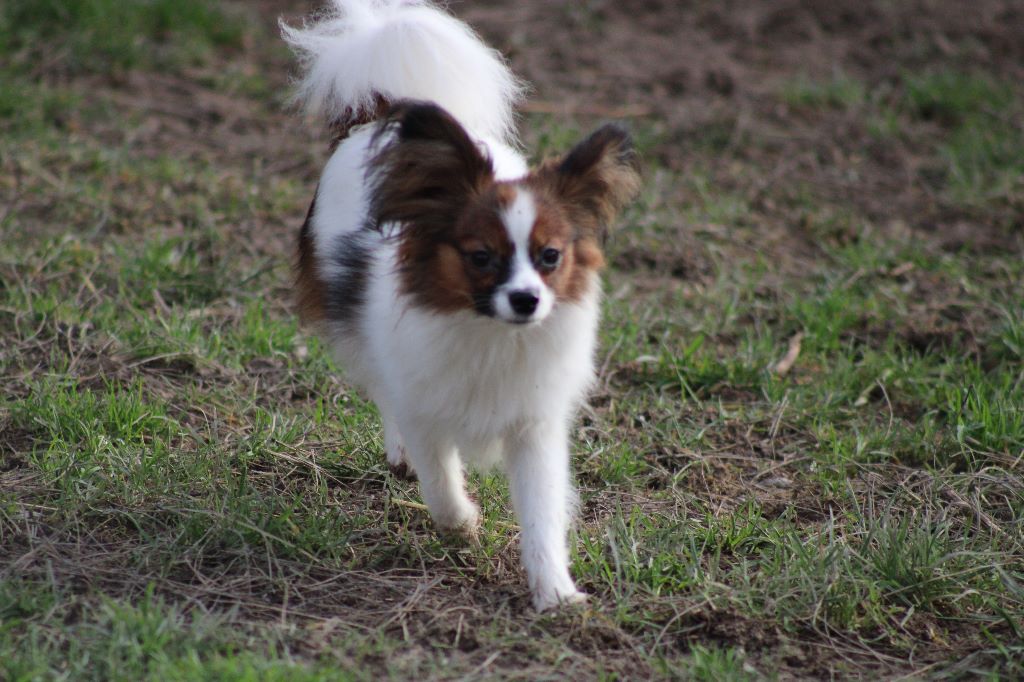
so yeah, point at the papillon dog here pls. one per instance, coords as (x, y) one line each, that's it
(455, 285)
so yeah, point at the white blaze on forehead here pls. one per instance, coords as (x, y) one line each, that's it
(518, 218)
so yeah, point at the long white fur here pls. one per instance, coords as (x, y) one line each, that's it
(451, 388)
(403, 49)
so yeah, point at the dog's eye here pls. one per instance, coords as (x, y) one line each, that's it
(480, 259)
(550, 258)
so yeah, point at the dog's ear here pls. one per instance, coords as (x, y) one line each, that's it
(427, 168)
(596, 179)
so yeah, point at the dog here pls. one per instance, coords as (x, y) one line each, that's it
(455, 285)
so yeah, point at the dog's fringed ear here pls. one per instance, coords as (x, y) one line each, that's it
(426, 170)
(595, 180)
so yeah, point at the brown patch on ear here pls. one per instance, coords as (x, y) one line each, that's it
(425, 179)
(585, 192)
(594, 181)
(310, 298)
(426, 175)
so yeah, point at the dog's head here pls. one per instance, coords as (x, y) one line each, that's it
(511, 250)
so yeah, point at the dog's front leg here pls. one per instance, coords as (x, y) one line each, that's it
(538, 470)
(436, 462)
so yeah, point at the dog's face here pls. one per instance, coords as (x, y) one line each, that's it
(507, 250)
(512, 253)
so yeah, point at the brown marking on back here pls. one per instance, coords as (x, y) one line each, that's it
(310, 288)
(349, 119)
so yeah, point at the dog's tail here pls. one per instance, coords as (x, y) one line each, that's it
(360, 55)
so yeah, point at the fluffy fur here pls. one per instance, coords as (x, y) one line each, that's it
(459, 289)
(360, 50)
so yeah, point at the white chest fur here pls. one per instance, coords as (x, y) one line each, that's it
(469, 375)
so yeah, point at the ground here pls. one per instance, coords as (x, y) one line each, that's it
(804, 456)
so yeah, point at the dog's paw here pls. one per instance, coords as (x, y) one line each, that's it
(550, 599)
(398, 461)
(463, 536)
(462, 524)
(463, 520)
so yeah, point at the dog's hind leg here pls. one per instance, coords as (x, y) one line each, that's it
(394, 449)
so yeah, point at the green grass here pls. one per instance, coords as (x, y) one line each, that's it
(842, 91)
(189, 490)
(713, 664)
(40, 39)
(89, 35)
(985, 147)
(145, 639)
(980, 143)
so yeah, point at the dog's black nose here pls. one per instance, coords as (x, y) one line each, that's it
(523, 302)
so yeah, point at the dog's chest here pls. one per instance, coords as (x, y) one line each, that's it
(482, 377)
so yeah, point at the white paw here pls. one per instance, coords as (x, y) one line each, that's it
(548, 599)
(461, 519)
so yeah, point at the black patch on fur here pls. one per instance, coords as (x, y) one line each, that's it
(483, 302)
(346, 290)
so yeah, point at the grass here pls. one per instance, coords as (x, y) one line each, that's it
(189, 490)
(842, 91)
(983, 152)
(980, 142)
(95, 35)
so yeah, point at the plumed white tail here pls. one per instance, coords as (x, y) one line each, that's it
(402, 49)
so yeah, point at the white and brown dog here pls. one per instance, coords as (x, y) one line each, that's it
(455, 285)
